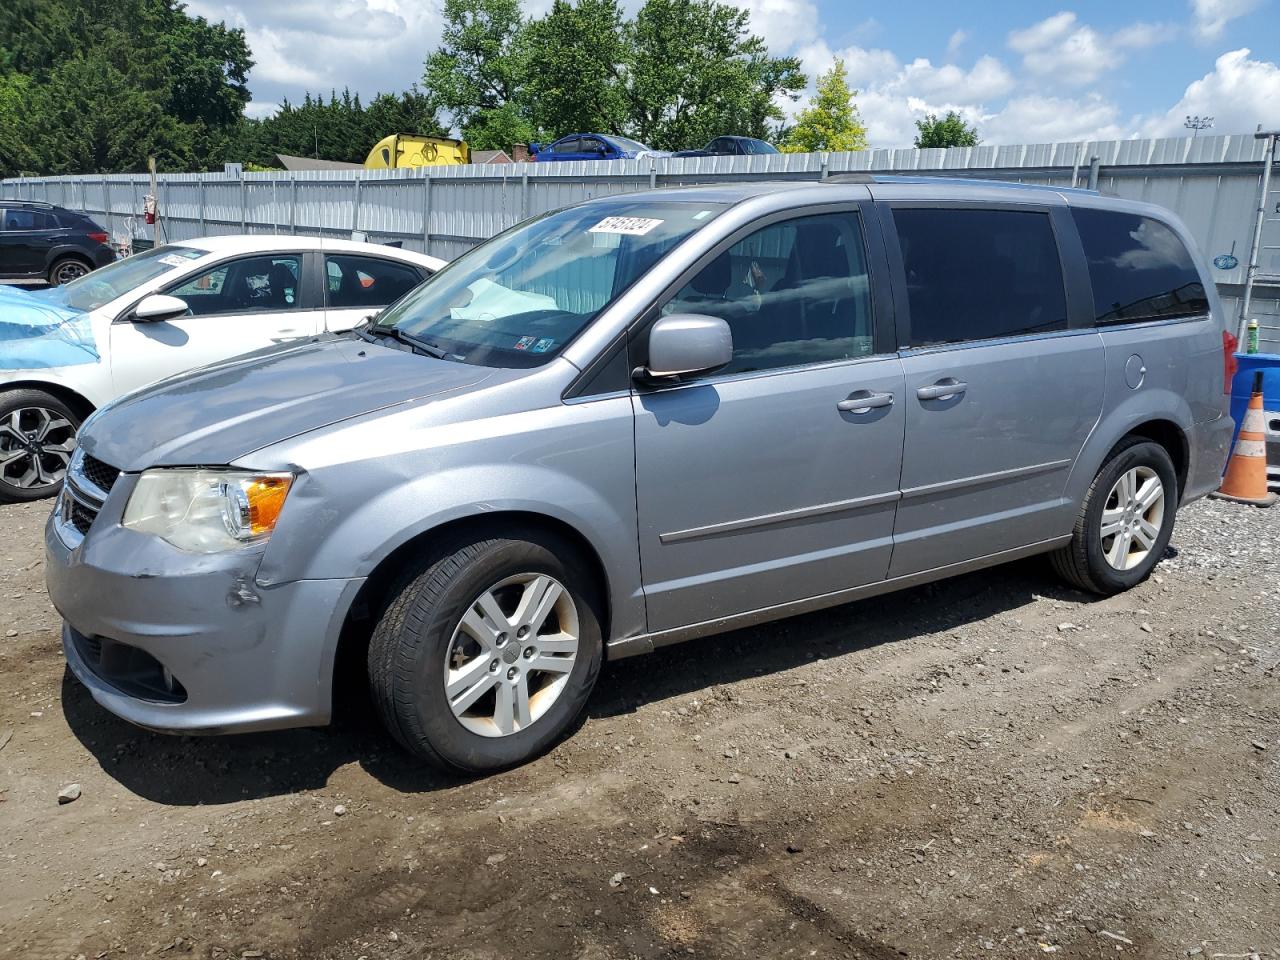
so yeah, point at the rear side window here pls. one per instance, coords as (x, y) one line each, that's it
(980, 274)
(366, 281)
(1139, 268)
(19, 219)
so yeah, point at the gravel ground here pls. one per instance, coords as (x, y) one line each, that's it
(995, 766)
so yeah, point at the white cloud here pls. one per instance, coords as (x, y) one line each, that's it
(1041, 119)
(956, 41)
(784, 24)
(1074, 53)
(319, 45)
(1210, 17)
(1239, 94)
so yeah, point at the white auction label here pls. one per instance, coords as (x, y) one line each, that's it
(632, 226)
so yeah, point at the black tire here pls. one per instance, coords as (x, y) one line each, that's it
(65, 269)
(13, 487)
(1082, 562)
(408, 649)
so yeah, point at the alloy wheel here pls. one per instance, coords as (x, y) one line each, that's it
(1132, 518)
(67, 271)
(35, 447)
(511, 654)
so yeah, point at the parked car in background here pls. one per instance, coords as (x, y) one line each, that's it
(730, 147)
(591, 146)
(39, 241)
(667, 414)
(66, 351)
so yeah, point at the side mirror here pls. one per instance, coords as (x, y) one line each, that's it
(686, 343)
(159, 307)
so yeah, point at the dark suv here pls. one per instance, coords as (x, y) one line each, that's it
(40, 240)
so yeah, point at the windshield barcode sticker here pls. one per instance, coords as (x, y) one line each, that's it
(173, 260)
(632, 226)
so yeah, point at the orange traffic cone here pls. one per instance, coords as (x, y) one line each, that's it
(1246, 477)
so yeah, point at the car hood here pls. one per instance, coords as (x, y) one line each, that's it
(222, 412)
(37, 333)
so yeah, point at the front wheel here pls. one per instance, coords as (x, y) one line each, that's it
(37, 437)
(485, 658)
(1125, 522)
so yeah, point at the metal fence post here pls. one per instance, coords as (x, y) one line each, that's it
(355, 207)
(524, 195)
(426, 212)
(293, 204)
(244, 203)
(202, 214)
(1094, 167)
(106, 202)
(653, 173)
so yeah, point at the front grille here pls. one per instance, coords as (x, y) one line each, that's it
(101, 475)
(77, 514)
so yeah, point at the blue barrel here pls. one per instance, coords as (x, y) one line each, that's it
(1242, 384)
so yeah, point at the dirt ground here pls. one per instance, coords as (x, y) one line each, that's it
(996, 766)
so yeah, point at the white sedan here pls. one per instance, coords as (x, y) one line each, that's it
(66, 351)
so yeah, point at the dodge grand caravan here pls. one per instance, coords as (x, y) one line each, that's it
(632, 422)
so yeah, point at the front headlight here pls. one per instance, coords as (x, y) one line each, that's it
(206, 511)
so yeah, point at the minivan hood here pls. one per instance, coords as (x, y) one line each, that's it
(219, 413)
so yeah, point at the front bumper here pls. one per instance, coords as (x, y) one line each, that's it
(238, 656)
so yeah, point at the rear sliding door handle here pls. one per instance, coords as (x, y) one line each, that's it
(860, 401)
(943, 389)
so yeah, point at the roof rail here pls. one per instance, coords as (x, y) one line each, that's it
(30, 203)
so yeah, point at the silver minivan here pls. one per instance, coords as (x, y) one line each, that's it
(635, 421)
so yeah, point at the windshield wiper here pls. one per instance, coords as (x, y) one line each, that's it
(430, 349)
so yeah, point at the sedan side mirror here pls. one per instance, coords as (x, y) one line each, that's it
(687, 343)
(159, 306)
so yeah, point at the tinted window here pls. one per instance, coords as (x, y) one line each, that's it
(1139, 268)
(366, 281)
(570, 145)
(19, 219)
(793, 293)
(253, 285)
(979, 274)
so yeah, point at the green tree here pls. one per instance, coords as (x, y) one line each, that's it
(476, 72)
(831, 121)
(695, 71)
(106, 83)
(950, 131)
(572, 63)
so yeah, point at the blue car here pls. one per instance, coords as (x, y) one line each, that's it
(591, 146)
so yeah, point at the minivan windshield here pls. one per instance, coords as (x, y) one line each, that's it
(103, 285)
(518, 299)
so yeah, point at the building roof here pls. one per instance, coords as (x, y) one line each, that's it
(310, 163)
(490, 156)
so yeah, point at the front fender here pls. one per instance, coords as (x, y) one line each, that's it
(575, 466)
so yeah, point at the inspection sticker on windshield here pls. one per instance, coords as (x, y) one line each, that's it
(543, 345)
(173, 260)
(631, 226)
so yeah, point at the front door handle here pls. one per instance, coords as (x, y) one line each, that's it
(943, 390)
(860, 401)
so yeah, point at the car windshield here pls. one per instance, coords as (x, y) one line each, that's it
(518, 299)
(759, 146)
(629, 145)
(116, 279)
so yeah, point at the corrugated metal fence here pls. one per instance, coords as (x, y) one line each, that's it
(1211, 182)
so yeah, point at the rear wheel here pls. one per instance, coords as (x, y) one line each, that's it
(1125, 522)
(67, 269)
(37, 437)
(485, 658)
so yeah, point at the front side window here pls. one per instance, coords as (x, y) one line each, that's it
(1139, 268)
(795, 292)
(105, 284)
(570, 145)
(518, 299)
(253, 285)
(976, 274)
(353, 281)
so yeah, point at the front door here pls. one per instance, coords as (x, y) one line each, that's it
(235, 307)
(1001, 393)
(775, 479)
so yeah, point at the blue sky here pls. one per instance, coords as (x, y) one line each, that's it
(1023, 72)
